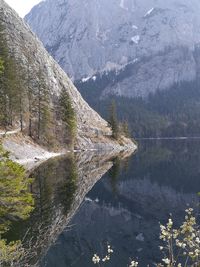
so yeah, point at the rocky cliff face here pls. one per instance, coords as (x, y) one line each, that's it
(38, 68)
(87, 37)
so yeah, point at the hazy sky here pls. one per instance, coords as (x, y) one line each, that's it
(22, 6)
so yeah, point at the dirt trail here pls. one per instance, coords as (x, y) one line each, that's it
(2, 133)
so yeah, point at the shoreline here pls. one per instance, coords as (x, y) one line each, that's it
(30, 155)
(168, 138)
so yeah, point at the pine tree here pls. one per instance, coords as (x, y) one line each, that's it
(10, 87)
(113, 120)
(21, 92)
(68, 116)
(125, 129)
(30, 98)
(1, 92)
(1, 66)
(43, 102)
(15, 203)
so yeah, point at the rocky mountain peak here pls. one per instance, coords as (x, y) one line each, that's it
(43, 83)
(90, 36)
(143, 53)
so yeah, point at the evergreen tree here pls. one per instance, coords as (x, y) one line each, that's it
(68, 116)
(113, 120)
(15, 199)
(21, 96)
(3, 98)
(1, 66)
(15, 203)
(10, 87)
(1, 102)
(43, 102)
(125, 129)
(30, 99)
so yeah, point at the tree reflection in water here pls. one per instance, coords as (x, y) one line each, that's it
(59, 188)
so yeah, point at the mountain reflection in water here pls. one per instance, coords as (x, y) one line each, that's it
(124, 208)
(59, 188)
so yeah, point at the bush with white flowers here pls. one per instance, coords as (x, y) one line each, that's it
(181, 246)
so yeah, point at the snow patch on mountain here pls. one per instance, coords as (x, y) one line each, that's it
(149, 12)
(134, 27)
(135, 39)
(85, 79)
(135, 60)
(122, 4)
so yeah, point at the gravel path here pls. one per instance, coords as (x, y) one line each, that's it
(4, 133)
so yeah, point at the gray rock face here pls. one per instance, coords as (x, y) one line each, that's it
(157, 73)
(93, 131)
(89, 36)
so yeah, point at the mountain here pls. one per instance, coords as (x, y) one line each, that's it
(38, 98)
(88, 36)
(143, 53)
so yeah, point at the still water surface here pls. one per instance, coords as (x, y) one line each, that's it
(82, 212)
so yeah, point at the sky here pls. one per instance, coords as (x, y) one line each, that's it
(22, 6)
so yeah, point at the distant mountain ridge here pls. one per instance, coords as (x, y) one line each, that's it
(144, 54)
(87, 37)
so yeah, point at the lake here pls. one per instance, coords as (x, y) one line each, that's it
(85, 202)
